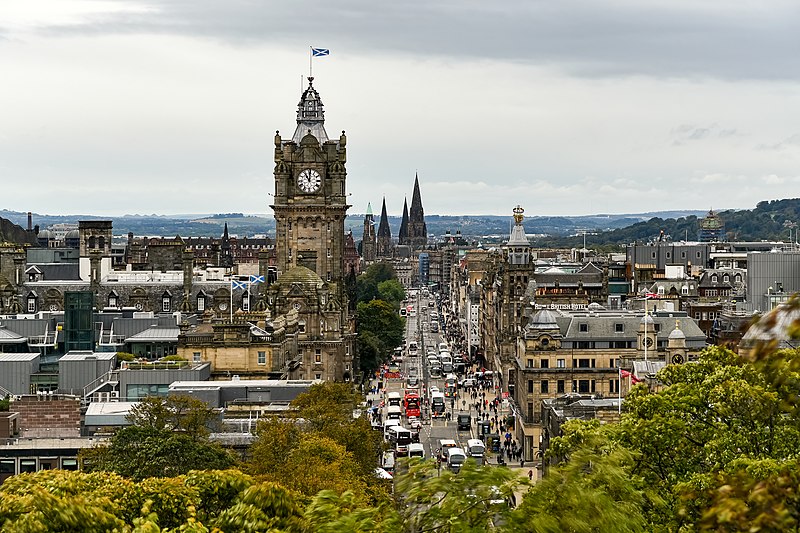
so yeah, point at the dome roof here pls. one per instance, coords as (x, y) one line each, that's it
(647, 319)
(45, 234)
(543, 319)
(300, 274)
(72, 234)
(677, 333)
(594, 306)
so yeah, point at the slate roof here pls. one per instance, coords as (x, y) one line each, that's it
(10, 337)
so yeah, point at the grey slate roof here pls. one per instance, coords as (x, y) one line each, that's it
(10, 337)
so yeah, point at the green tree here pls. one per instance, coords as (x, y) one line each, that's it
(383, 329)
(179, 413)
(391, 291)
(367, 283)
(140, 452)
(474, 500)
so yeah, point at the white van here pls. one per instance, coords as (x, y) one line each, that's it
(455, 458)
(415, 449)
(394, 413)
(477, 450)
(443, 347)
(393, 398)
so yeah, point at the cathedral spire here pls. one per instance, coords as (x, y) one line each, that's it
(310, 115)
(384, 233)
(417, 229)
(403, 235)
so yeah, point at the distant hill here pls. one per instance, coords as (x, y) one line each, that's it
(766, 221)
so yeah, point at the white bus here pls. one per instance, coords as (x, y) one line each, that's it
(400, 438)
(476, 449)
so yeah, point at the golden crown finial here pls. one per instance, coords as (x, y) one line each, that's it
(518, 214)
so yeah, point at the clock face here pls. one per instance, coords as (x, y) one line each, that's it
(223, 306)
(309, 180)
(677, 359)
(647, 341)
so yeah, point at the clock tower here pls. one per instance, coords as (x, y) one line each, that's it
(310, 208)
(310, 197)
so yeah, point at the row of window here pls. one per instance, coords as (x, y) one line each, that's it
(584, 386)
(583, 362)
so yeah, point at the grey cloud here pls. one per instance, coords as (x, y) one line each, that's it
(790, 142)
(582, 37)
(690, 132)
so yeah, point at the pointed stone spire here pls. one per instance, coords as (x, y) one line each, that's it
(310, 116)
(384, 234)
(368, 239)
(403, 235)
(417, 229)
(226, 257)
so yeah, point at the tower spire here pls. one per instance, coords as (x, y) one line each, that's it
(403, 236)
(417, 229)
(310, 115)
(384, 233)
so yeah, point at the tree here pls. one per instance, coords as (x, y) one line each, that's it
(140, 452)
(367, 283)
(382, 328)
(591, 491)
(391, 291)
(169, 436)
(180, 413)
(474, 500)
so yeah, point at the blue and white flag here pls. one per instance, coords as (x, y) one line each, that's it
(238, 284)
(319, 52)
(256, 279)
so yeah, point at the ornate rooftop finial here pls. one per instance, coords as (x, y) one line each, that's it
(518, 214)
(310, 115)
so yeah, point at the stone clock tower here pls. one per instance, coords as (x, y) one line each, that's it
(310, 199)
(310, 208)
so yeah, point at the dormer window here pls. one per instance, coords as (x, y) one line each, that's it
(714, 278)
(726, 279)
(113, 299)
(201, 302)
(32, 303)
(166, 302)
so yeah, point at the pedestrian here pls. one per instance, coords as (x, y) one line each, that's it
(530, 475)
(521, 463)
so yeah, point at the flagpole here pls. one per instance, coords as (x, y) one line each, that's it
(619, 389)
(310, 61)
(230, 307)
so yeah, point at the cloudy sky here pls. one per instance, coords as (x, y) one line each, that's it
(567, 107)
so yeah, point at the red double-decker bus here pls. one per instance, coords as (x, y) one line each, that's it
(411, 404)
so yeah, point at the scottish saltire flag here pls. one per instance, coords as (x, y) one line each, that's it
(235, 284)
(318, 52)
(256, 279)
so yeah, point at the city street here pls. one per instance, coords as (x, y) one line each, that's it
(433, 429)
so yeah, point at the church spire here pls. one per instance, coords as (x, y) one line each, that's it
(403, 235)
(417, 229)
(310, 115)
(384, 234)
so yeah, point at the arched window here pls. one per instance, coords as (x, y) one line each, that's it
(101, 242)
(201, 302)
(166, 302)
(113, 299)
(91, 242)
